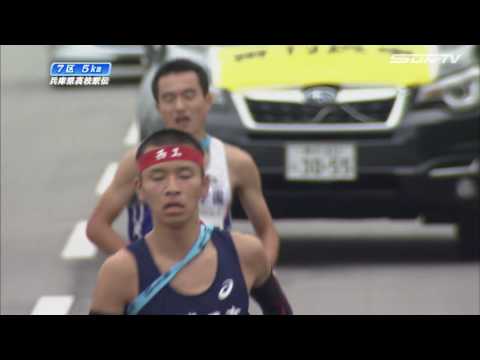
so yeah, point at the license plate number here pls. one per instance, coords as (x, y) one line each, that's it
(321, 162)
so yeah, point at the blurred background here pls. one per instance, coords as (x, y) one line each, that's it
(394, 230)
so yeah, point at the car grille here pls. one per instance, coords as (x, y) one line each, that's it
(354, 113)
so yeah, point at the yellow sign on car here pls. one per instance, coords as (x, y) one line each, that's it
(253, 66)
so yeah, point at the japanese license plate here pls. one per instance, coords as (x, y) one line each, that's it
(321, 162)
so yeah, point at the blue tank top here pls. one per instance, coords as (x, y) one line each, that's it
(228, 294)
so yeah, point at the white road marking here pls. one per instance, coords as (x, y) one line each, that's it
(106, 178)
(78, 246)
(133, 135)
(53, 305)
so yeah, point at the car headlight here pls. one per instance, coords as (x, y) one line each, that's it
(459, 92)
(458, 85)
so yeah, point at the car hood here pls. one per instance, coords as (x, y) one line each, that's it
(258, 66)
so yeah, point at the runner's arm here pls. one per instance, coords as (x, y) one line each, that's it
(265, 288)
(99, 228)
(249, 190)
(115, 285)
(271, 298)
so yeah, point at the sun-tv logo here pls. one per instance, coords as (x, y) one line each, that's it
(80, 74)
(425, 58)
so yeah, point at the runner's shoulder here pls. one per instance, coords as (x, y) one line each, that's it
(249, 247)
(120, 266)
(238, 159)
(252, 255)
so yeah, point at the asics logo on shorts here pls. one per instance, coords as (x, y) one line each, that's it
(226, 289)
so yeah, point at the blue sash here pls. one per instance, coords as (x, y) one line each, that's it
(143, 298)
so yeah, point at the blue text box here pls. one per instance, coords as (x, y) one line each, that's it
(80, 69)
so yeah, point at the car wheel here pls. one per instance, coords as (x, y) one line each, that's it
(469, 235)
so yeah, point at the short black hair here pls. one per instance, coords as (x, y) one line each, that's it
(179, 66)
(168, 137)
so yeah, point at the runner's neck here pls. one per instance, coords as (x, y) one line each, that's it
(205, 143)
(174, 242)
(204, 139)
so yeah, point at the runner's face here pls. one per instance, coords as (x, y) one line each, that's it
(173, 190)
(182, 104)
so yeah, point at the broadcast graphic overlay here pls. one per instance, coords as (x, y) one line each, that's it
(80, 74)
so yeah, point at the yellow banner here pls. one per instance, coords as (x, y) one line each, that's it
(254, 66)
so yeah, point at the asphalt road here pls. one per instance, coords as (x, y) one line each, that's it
(55, 147)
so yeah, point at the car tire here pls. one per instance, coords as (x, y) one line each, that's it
(469, 235)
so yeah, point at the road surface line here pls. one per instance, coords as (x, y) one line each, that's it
(78, 246)
(106, 178)
(132, 137)
(53, 305)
